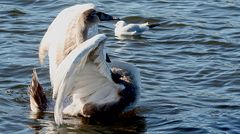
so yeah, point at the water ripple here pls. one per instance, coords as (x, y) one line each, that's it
(189, 65)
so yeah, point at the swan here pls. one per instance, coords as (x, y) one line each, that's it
(123, 29)
(81, 71)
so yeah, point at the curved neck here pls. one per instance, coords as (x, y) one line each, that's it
(83, 34)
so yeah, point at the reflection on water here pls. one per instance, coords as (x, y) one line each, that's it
(132, 124)
(189, 65)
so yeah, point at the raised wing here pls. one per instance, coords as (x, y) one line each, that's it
(76, 63)
(61, 34)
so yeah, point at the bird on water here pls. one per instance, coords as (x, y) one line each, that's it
(81, 70)
(124, 29)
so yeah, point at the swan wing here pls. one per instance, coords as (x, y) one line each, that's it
(67, 72)
(57, 36)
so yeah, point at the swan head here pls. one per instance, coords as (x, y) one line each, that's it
(91, 16)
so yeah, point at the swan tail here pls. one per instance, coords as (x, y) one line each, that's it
(38, 100)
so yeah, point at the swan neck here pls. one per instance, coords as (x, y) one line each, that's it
(83, 34)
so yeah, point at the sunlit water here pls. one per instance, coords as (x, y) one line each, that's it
(189, 65)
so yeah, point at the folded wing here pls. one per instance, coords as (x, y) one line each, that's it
(137, 28)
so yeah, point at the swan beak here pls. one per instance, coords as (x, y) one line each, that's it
(105, 17)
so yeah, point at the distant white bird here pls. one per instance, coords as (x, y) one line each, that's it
(81, 70)
(122, 28)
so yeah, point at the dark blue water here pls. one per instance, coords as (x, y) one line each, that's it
(190, 65)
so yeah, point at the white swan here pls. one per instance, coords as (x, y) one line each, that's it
(122, 28)
(80, 69)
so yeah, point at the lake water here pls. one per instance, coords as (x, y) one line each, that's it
(190, 65)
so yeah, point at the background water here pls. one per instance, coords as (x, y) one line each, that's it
(189, 65)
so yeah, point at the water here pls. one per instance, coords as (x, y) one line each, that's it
(189, 65)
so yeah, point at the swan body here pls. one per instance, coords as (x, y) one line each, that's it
(81, 71)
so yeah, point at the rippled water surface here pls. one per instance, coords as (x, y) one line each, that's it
(189, 65)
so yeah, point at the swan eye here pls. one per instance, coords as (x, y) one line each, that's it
(90, 13)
